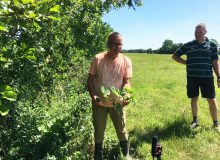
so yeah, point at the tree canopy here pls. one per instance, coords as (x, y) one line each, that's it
(40, 38)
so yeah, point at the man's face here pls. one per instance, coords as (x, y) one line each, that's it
(116, 45)
(200, 34)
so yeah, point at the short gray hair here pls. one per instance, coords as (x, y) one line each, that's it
(202, 25)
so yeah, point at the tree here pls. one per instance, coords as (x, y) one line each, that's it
(40, 37)
(176, 46)
(149, 50)
(166, 47)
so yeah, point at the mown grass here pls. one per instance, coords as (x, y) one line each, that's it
(163, 109)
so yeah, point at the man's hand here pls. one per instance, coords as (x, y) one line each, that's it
(96, 100)
(125, 103)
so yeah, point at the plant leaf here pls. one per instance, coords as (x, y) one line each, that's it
(2, 28)
(4, 88)
(27, 1)
(31, 14)
(105, 91)
(43, 1)
(9, 95)
(4, 109)
(115, 91)
(31, 57)
(37, 27)
(56, 9)
(54, 18)
(128, 89)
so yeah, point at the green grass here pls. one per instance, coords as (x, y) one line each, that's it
(163, 109)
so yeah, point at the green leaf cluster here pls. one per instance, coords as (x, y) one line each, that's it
(119, 96)
(7, 96)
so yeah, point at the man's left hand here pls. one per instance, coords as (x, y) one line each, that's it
(125, 103)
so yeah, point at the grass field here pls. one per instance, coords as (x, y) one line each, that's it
(163, 109)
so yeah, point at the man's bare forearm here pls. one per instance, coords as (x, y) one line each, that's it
(126, 83)
(91, 86)
(215, 65)
(179, 59)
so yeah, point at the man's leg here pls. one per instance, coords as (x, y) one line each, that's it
(118, 120)
(208, 91)
(193, 93)
(213, 110)
(194, 107)
(99, 123)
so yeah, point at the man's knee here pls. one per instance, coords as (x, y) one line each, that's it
(194, 101)
(212, 102)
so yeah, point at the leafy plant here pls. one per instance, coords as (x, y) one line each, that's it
(105, 93)
(119, 96)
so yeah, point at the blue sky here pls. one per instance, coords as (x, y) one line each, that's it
(157, 20)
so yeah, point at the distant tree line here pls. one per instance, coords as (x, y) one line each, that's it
(168, 47)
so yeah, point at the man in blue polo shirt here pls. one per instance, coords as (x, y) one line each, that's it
(202, 59)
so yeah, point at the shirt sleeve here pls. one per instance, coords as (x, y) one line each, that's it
(180, 51)
(214, 54)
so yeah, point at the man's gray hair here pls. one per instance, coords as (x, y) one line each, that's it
(202, 25)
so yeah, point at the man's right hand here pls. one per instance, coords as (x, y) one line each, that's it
(96, 100)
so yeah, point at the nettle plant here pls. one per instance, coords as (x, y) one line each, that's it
(118, 96)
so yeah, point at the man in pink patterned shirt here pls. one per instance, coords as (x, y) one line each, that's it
(110, 68)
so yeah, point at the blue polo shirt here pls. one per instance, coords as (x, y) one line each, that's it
(199, 57)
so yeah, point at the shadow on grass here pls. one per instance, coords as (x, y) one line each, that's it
(179, 128)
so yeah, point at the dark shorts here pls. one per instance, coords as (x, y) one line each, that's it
(206, 86)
